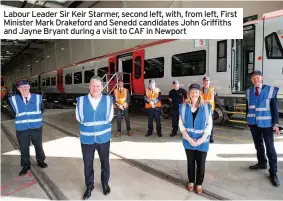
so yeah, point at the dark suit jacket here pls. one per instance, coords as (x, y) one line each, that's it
(41, 108)
(273, 108)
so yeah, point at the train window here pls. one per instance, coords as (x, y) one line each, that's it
(48, 81)
(138, 63)
(68, 78)
(222, 56)
(112, 68)
(2, 82)
(273, 47)
(35, 83)
(31, 83)
(78, 78)
(43, 82)
(154, 68)
(188, 64)
(53, 81)
(88, 75)
(101, 72)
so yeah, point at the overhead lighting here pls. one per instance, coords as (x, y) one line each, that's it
(62, 48)
(47, 56)
(36, 61)
(28, 65)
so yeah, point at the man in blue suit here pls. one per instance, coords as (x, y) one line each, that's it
(262, 118)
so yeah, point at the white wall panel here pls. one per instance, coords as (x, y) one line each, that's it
(50, 59)
(80, 50)
(63, 53)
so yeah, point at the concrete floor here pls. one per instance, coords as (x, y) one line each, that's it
(227, 172)
(66, 171)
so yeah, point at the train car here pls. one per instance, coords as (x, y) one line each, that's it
(229, 63)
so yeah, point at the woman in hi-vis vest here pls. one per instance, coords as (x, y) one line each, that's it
(195, 124)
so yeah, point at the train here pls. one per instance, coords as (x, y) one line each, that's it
(228, 63)
(4, 89)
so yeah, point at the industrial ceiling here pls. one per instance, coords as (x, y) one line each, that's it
(15, 51)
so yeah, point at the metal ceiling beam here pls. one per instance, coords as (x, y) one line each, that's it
(74, 4)
(38, 46)
(24, 4)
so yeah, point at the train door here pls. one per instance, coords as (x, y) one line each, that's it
(138, 72)
(112, 69)
(243, 58)
(60, 87)
(273, 52)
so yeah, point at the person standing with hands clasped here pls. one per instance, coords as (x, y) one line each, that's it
(262, 118)
(195, 124)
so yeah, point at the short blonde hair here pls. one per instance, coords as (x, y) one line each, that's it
(199, 102)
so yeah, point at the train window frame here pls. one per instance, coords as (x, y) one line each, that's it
(146, 61)
(88, 70)
(277, 42)
(43, 82)
(48, 80)
(224, 57)
(106, 72)
(52, 78)
(189, 55)
(35, 83)
(138, 67)
(112, 68)
(81, 77)
(71, 75)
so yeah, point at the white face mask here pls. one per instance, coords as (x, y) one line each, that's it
(152, 86)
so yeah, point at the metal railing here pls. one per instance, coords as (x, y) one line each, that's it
(115, 77)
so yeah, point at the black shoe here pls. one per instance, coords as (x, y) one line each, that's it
(274, 180)
(24, 171)
(87, 193)
(148, 134)
(106, 189)
(258, 166)
(173, 134)
(42, 164)
(159, 134)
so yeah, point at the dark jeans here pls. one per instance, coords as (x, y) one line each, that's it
(266, 135)
(24, 137)
(195, 157)
(175, 120)
(125, 113)
(88, 151)
(154, 113)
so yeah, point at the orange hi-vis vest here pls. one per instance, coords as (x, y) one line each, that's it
(121, 97)
(209, 97)
(152, 95)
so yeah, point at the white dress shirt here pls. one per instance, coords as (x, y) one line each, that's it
(208, 127)
(94, 102)
(24, 99)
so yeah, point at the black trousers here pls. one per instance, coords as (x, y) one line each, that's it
(88, 151)
(175, 120)
(195, 157)
(266, 135)
(125, 113)
(154, 113)
(24, 137)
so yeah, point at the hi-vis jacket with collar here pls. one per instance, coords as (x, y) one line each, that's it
(258, 107)
(95, 125)
(27, 116)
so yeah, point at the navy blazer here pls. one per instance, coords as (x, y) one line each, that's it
(273, 108)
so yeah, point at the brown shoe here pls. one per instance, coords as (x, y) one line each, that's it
(130, 133)
(190, 187)
(199, 189)
(117, 134)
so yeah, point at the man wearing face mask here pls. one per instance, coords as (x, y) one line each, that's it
(153, 105)
(28, 109)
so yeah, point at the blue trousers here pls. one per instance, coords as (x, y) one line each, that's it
(266, 135)
(154, 113)
(88, 151)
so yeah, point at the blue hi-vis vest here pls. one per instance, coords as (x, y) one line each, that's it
(195, 131)
(28, 116)
(95, 125)
(259, 106)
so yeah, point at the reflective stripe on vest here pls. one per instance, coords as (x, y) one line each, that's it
(152, 96)
(195, 131)
(95, 125)
(259, 106)
(28, 116)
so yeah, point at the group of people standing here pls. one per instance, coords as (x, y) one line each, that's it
(191, 112)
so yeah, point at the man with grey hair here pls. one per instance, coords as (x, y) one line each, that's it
(95, 113)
